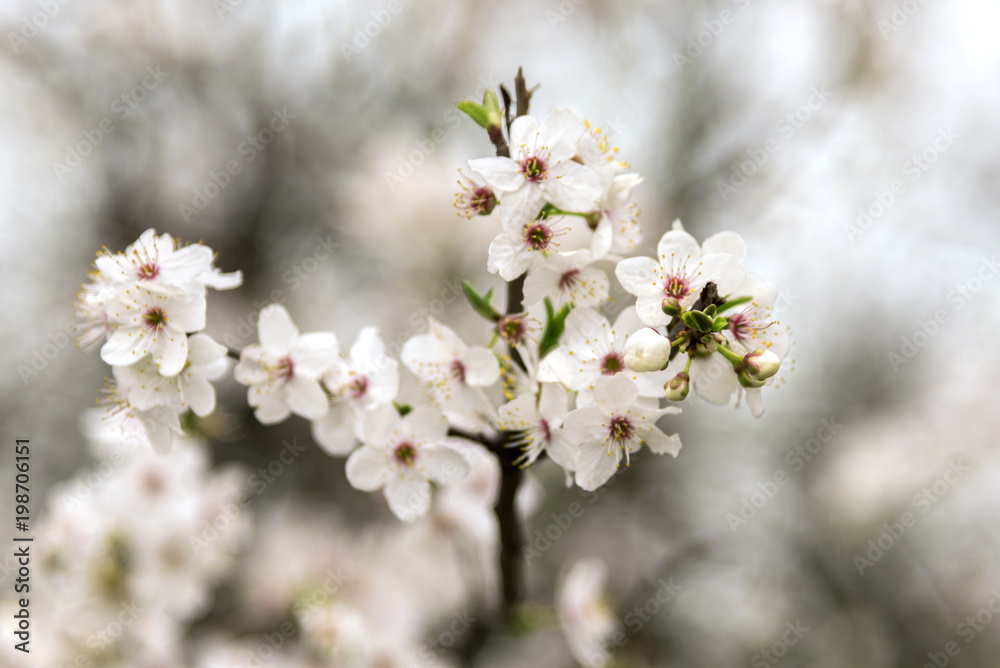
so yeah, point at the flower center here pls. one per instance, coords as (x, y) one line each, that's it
(538, 236)
(612, 363)
(676, 286)
(534, 168)
(358, 387)
(513, 329)
(620, 429)
(458, 370)
(147, 271)
(740, 326)
(545, 429)
(286, 368)
(405, 454)
(155, 318)
(569, 279)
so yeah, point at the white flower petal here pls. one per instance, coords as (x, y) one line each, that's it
(481, 367)
(334, 432)
(638, 275)
(314, 353)
(368, 468)
(442, 465)
(726, 271)
(305, 397)
(408, 498)
(276, 329)
(595, 466)
(676, 246)
(730, 243)
(501, 173)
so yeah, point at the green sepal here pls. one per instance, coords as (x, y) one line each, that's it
(721, 322)
(698, 321)
(475, 111)
(482, 304)
(403, 409)
(555, 325)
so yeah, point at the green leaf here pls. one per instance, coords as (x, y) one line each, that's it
(482, 304)
(402, 408)
(555, 325)
(721, 322)
(475, 111)
(698, 321)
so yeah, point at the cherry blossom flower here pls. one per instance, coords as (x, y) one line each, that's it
(156, 323)
(190, 388)
(475, 199)
(401, 455)
(592, 349)
(358, 383)
(283, 371)
(681, 272)
(156, 261)
(567, 278)
(542, 169)
(538, 420)
(158, 425)
(616, 426)
(454, 371)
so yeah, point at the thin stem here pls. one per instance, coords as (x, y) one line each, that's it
(733, 302)
(734, 358)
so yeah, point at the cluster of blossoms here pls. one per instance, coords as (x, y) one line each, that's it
(145, 308)
(131, 550)
(558, 377)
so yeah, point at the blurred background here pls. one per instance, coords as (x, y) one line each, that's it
(852, 143)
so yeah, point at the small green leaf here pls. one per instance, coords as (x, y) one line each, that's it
(555, 325)
(402, 408)
(475, 111)
(482, 304)
(721, 322)
(698, 321)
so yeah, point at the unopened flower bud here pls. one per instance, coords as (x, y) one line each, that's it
(677, 387)
(748, 381)
(761, 364)
(671, 306)
(647, 350)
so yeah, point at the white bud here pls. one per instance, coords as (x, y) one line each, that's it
(646, 350)
(761, 364)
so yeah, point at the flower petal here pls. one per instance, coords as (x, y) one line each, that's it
(481, 367)
(276, 329)
(501, 173)
(408, 498)
(306, 398)
(638, 275)
(368, 468)
(442, 465)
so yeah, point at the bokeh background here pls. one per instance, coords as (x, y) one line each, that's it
(852, 143)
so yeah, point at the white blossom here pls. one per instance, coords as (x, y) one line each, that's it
(283, 371)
